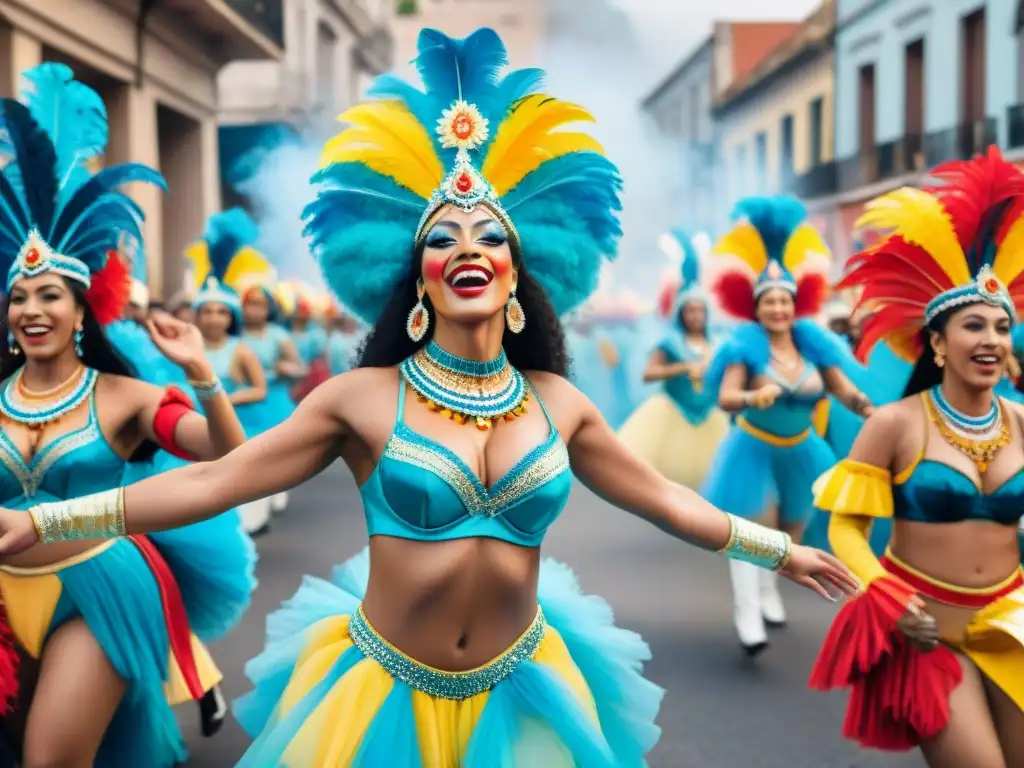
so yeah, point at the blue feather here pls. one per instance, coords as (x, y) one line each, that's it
(775, 218)
(226, 234)
(690, 268)
(37, 161)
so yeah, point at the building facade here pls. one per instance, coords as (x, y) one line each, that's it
(156, 68)
(775, 124)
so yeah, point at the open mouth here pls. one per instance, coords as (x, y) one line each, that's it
(469, 280)
(986, 361)
(34, 334)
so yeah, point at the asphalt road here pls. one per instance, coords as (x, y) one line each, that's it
(720, 710)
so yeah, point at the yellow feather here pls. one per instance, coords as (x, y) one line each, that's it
(803, 243)
(528, 138)
(248, 264)
(745, 243)
(1009, 261)
(386, 137)
(199, 254)
(919, 218)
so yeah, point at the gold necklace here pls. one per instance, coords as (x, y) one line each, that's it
(981, 452)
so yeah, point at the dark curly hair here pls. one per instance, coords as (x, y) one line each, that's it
(97, 353)
(540, 347)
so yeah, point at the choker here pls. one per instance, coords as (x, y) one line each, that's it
(38, 409)
(466, 390)
(979, 438)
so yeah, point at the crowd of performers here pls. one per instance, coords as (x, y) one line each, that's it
(142, 446)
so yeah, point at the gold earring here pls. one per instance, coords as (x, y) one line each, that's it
(940, 358)
(515, 318)
(419, 319)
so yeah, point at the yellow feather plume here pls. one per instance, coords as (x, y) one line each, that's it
(1009, 262)
(248, 266)
(803, 243)
(528, 138)
(745, 243)
(920, 219)
(199, 255)
(386, 137)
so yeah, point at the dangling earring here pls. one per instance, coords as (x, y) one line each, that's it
(515, 318)
(79, 335)
(419, 319)
(12, 345)
(940, 358)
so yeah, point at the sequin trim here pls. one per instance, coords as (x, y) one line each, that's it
(435, 682)
(538, 467)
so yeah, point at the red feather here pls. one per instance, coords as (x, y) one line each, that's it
(735, 295)
(811, 294)
(111, 287)
(667, 298)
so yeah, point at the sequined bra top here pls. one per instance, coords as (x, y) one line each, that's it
(421, 490)
(793, 410)
(929, 491)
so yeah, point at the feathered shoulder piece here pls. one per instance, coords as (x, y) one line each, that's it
(956, 242)
(476, 135)
(771, 245)
(55, 215)
(679, 248)
(225, 261)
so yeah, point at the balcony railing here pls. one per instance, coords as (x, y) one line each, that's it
(1015, 126)
(961, 142)
(266, 15)
(820, 181)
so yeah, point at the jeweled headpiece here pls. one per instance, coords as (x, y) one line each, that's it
(55, 214)
(771, 245)
(945, 245)
(473, 137)
(225, 261)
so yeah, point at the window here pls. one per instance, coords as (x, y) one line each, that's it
(786, 152)
(866, 102)
(972, 57)
(761, 163)
(817, 129)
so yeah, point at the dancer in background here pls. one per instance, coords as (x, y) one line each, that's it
(309, 334)
(435, 223)
(679, 429)
(223, 259)
(111, 625)
(771, 271)
(343, 338)
(934, 648)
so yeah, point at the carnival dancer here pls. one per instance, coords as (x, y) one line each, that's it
(309, 334)
(770, 270)
(466, 211)
(223, 259)
(934, 648)
(678, 430)
(110, 624)
(343, 338)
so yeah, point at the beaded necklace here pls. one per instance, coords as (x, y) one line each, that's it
(466, 390)
(979, 438)
(40, 409)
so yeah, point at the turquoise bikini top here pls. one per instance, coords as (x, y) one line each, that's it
(793, 410)
(694, 405)
(75, 464)
(423, 491)
(929, 491)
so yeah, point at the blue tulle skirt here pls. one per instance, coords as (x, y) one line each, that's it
(257, 418)
(320, 698)
(748, 475)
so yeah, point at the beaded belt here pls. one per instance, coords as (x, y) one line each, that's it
(436, 682)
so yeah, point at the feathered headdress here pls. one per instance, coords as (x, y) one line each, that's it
(679, 248)
(56, 216)
(770, 246)
(946, 245)
(225, 261)
(473, 137)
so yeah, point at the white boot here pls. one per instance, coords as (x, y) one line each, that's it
(255, 516)
(746, 597)
(279, 502)
(772, 609)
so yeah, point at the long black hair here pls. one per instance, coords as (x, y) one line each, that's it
(926, 373)
(97, 353)
(540, 347)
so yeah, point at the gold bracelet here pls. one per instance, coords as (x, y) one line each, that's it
(99, 516)
(756, 544)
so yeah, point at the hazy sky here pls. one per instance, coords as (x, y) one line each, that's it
(671, 28)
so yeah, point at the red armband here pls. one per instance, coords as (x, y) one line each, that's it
(174, 405)
(899, 695)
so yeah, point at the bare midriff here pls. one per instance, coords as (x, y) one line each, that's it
(452, 605)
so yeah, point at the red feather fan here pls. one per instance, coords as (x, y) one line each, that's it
(109, 290)
(811, 294)
(735, 295)
(667, 298)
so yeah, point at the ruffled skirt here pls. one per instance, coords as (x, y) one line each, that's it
(659, 433)
(330, 692)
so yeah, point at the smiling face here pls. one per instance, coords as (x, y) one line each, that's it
(214, 320)
(467, 265)
(255, 307)
(976, 344)
(775, 310)
(43, 315)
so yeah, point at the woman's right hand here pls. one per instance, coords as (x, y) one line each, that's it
(17, 532)
(765, 397)
(918, 626)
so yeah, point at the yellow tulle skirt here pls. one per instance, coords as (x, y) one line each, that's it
(658, 432)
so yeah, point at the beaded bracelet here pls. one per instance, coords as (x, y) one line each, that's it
(99, 516)
(756, 544)
(207, 390)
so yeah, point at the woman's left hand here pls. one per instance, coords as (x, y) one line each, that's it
(179, 342)
(820, 572)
